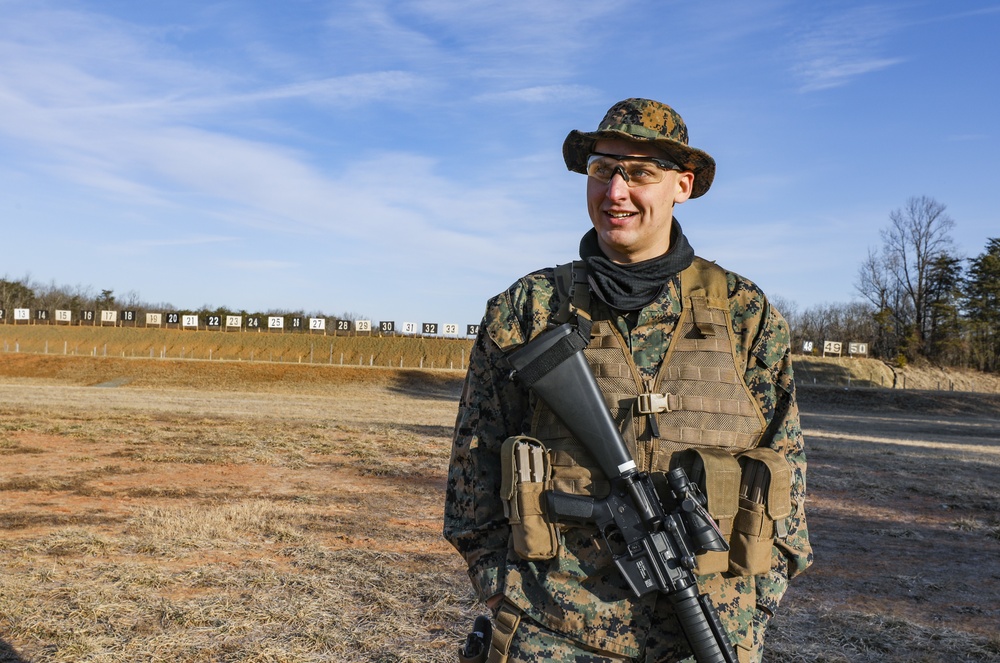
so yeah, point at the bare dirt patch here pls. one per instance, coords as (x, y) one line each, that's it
(296, 516)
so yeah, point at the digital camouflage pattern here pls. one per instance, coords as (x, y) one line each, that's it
(599, 610)
(644, 120)
(534, 642)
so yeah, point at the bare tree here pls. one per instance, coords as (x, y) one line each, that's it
(891, 313)
(788, 310)
(917, 236)
(55, 297)
(898, 279)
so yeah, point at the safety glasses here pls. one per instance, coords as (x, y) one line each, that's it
(636, 171)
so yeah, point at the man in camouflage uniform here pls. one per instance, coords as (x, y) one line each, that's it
(571, 604)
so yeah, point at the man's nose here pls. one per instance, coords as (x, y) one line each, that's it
(618, 186)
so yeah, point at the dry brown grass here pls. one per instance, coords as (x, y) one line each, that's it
(179, 525)
(232, 512)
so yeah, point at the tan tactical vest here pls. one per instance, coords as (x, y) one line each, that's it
(698, 399)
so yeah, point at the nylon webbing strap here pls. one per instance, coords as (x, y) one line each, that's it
(562, 350)
(564, 286)
(504, 625)
(574, 291)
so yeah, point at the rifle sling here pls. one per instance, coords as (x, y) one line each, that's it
(562, 350)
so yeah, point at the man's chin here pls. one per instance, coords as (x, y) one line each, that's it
(615, 244)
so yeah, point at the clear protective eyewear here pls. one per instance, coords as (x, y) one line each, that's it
(636, 171)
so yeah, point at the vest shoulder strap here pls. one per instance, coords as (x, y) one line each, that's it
(574, 292)
(705, 279)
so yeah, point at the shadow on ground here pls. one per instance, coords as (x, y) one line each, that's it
(815, 373)
(9, 655)
(940, 403)
(425, 384)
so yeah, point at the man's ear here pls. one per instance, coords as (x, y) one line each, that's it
(685, 185)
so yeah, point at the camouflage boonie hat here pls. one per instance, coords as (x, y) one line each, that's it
(643, 120)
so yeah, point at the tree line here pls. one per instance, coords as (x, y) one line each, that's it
(919, 299)
(27, 294)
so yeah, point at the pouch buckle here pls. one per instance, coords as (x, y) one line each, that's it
(653, 403)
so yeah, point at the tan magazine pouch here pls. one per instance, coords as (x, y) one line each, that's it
(717, 474)
(526, 473)
(764, 504)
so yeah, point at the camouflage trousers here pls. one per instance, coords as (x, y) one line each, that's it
(532, 642)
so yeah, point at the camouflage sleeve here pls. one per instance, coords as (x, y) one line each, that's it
(491, 409)
(770, 377)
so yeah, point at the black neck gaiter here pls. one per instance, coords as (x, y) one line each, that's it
(631, 286)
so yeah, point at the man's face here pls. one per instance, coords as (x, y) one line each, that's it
(633, 223)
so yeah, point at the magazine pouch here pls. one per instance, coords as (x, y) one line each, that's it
(764, 506)
(526, 473)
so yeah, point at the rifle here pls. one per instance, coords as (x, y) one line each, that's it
(653, 526)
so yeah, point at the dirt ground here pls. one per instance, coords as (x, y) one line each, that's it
(296, 518)
(904, 515)
(99, 476)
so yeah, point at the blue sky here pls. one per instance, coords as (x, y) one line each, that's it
(401, 160)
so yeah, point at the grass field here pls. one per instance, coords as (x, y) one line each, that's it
(233, 511)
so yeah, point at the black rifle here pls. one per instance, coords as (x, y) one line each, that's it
(653, 526)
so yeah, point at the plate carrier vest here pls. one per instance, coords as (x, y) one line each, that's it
(698, 399)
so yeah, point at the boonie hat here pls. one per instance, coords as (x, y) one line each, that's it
(648, 121)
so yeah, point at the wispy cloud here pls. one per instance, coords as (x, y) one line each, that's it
(472, 46)
(103, 130)
(539, 94)
(841, 47)
(338, 91)
(961, 14)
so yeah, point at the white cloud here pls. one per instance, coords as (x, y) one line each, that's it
(540, 94)
(841, 47)
(473, 46)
